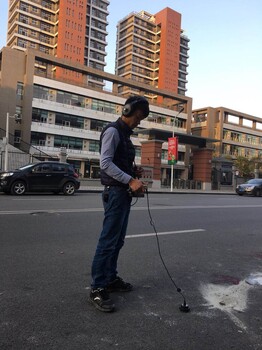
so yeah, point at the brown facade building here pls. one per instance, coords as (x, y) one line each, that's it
(71, 29)
(238, 134)
(153, 50)
(56, 113)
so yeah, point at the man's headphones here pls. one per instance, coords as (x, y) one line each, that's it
(130, 107)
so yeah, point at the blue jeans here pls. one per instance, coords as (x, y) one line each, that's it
(116, 201)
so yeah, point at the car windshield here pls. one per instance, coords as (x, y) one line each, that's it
(255, 181)
(26, 166)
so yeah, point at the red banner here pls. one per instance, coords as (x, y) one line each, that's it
(172, 150)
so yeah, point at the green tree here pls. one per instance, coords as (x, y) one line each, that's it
(257, 164)
(245, 166)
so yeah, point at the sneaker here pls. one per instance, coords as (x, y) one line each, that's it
(100, 299)
(118, 285)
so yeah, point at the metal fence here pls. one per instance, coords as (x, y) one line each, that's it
(183, 184)
(20, 152)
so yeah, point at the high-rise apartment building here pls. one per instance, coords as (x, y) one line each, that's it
(71, 29)
(152, 49)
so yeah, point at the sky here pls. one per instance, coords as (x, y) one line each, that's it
(225, 53)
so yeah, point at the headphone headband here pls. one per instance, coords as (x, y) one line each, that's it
(130, 107)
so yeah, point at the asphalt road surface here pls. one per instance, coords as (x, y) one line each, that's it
(210, 243)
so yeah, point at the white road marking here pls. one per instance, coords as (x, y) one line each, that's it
(87, 210)
(178, 207)
(38, 199)
(164, 233)
(51, 211)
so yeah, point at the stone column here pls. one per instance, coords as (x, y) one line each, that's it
(151, 159)
(63, 155)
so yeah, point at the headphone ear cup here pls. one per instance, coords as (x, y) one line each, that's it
(130, 107)
(127, 109)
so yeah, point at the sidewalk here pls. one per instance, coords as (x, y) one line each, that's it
(98, 189)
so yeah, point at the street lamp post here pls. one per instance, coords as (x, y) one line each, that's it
(173, 134)
(6, 142)
(172, 165)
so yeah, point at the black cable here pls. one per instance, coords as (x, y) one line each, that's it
(133, 203)
(159, 250)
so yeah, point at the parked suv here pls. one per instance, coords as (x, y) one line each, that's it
(44, 176)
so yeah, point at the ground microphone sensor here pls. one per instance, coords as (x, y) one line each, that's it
(183, 307)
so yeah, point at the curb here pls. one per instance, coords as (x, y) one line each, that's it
(100, 189)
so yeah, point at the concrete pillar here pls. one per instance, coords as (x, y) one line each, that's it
(63, 155)
(151, 159)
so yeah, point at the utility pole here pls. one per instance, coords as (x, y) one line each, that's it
(18, 119)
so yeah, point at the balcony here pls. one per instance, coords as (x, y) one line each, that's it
(53, 129)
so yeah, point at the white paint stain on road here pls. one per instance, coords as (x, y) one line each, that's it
(229, 299)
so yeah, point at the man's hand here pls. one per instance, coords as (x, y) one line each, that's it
(136, 185)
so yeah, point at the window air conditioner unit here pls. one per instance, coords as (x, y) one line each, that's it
(17, 140)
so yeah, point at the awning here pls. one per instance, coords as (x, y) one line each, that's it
(163, 135)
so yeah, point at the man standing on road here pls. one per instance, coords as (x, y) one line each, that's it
(118, 175)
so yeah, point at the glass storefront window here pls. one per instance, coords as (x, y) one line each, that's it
(39, 115)
(94, 146)
(68, 142)
(69, 120)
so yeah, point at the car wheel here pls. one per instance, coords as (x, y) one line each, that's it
(69, 188)
(257, 192)
(18, 188)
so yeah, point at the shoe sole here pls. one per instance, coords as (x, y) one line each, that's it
(100, 308)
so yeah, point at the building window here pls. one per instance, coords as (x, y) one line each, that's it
(248, 123)
(43, 49)
(41, 92)
(33, 33)
(69, 120)
(39, 115)
(22, 43)
(68, 142)
(258, 126)
(22, 31)
(24, 19)
(38, 138)
(97, 125)
(94, 146)
(233, 119)
(19, 90)
(24, 7)
(103, 106)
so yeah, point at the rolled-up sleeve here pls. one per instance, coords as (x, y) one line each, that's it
(110, 141)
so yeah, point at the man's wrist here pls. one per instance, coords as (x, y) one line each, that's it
(130, 181)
